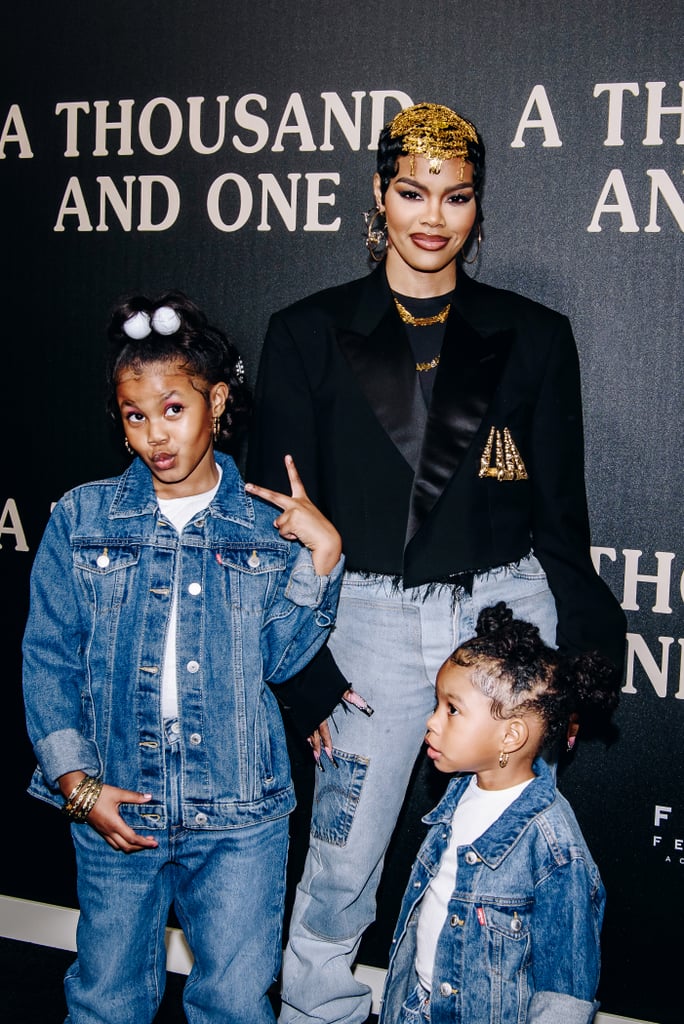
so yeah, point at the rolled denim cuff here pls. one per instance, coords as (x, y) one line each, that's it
(552, 1007)
(309, 590)
(66, 751)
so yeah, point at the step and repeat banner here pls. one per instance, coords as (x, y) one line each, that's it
(226, 148)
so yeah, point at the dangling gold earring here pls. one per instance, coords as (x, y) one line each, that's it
(477, 251)
(128, 447)
(503, 759)
(376, 237)
(217, 428)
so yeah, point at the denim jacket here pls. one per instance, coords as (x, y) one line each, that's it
(251, 609)
(520, 944)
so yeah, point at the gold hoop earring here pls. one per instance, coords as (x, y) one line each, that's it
(503, 759)
(376, 237)
(128, 447)
(217, 428)
(477, 251)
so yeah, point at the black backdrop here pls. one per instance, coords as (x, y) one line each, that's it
(252, 198)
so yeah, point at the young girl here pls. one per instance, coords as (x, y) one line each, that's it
(502, 913)
(162, 602)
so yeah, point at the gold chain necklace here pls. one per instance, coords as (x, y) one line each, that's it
(432, 365)
(421, 321)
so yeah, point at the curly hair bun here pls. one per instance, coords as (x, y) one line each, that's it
(493, 619)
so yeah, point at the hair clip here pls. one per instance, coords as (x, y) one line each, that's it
(164, 320)
(137, 326)
(240, 370)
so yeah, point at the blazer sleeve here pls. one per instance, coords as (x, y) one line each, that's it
(284, 420)
(589, 616)
(285, 423)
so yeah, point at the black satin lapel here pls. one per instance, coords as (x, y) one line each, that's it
(469, 371)
(386, 374)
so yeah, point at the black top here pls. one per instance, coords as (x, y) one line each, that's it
(338, 389)
(425, 340)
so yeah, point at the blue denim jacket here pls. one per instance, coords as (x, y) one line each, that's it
(520, 944)
(250, 609)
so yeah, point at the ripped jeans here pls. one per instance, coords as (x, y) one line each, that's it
(389, 643)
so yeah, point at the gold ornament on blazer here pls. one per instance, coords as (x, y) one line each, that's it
(507, 463)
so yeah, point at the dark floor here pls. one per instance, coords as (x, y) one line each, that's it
(31, 986)
(32, 991)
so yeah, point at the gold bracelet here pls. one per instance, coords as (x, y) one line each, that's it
(82, 799)
(75, 790)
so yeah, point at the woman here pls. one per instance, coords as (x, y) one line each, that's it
(437, 422)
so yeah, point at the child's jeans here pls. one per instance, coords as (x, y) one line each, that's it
(416, 1007)
(227, 888)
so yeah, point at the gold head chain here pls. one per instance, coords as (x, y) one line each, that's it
(433, 131)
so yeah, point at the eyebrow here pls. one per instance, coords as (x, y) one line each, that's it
(162, 398)
(423, 188)
(453, 698)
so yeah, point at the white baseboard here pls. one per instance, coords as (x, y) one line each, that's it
(48, 925)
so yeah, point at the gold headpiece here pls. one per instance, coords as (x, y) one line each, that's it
(433, 131)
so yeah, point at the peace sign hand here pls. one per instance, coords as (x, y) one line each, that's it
(301, 520)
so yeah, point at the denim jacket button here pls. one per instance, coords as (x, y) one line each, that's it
(195, 589)
(445, 989)
(192, 666)
(195, 739)
(516, 924)
(200, 819)
(471, 857)
(456, 920)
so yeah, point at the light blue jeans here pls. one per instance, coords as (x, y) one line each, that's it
(389, 644)
(227, 887)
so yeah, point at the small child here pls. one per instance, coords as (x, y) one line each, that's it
(502, 913)
(162, 602)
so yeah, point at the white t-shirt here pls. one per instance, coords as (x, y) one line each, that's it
(477, 810)
(179, 512)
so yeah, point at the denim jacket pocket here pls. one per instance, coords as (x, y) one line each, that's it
(249, 570)
(105, 557)
(508, 957)
(263, 747)
(106, 567)
(253, 561)
(337, 796)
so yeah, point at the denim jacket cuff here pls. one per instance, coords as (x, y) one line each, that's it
(66, 751)
(309, 590)
(550, 1007)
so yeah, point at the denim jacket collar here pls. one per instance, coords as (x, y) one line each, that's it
(135, 494)
(494, 845)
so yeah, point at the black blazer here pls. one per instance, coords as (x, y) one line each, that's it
(338, 389)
